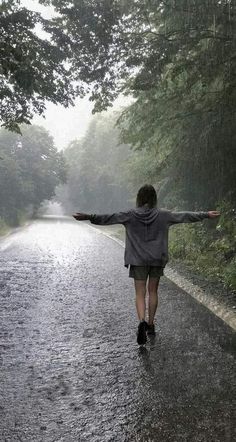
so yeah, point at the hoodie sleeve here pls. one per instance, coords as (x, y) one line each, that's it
(185, 217)
(114, 218)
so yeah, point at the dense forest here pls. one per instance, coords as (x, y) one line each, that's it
(176, 58)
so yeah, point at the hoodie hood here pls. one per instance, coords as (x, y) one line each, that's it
(145, 215)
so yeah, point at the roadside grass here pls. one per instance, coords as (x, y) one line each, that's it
(4, 228)
(205, 252)
(21, 219)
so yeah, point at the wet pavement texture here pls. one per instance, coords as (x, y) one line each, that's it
(71, 369)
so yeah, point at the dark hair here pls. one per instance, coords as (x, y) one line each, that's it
(146, 195)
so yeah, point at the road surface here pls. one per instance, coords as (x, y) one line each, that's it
(71, 369)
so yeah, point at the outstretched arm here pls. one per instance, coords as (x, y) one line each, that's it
(189, 217)
(102, 220)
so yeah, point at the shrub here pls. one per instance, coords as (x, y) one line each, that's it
(209, 247)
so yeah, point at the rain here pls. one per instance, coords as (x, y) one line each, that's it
(117, 220)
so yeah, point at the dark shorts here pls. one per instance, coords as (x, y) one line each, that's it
(142, 272)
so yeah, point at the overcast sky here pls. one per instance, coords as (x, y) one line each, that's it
(65, 124)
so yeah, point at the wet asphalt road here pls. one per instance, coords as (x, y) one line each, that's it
(71, 369)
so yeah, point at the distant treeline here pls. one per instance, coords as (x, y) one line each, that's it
(97, 174)
(30, 169)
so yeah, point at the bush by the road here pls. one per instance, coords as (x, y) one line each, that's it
(209, 249)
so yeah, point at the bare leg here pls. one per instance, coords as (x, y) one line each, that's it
(140, 289)
(153, 298)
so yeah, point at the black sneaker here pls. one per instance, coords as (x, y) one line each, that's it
(151, 329)
(141, 335)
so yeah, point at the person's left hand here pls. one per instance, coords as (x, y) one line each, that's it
(213, 213)
(81, 216)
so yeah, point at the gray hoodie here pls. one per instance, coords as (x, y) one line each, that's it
(146, 241)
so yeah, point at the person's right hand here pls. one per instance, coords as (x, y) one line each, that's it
(81, 216)
(213, 214)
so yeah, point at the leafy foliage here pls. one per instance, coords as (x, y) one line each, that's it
(185, 114)
(140, 40)
(30, 169)
(32, 69)
(104, 46)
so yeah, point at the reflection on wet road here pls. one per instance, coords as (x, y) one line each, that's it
(70, 366)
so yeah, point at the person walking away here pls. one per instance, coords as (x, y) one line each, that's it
(146, 247)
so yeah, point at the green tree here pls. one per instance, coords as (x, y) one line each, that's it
(104, 46)
(30, 170)
(57, 68)
(184, 113)
(32, 69)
